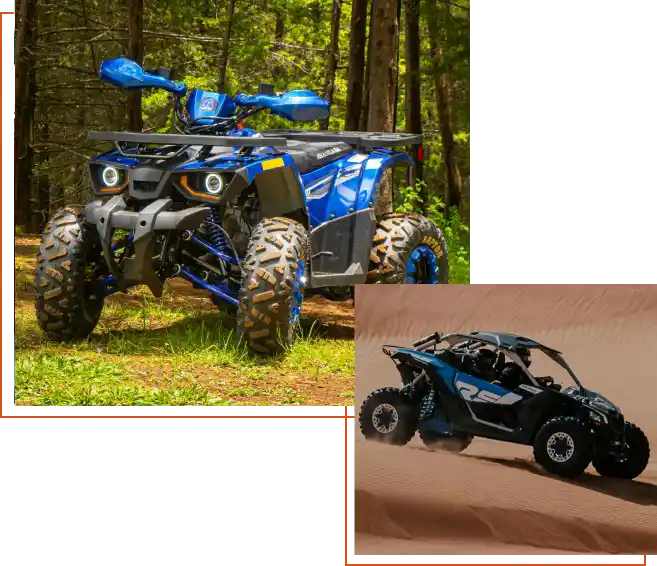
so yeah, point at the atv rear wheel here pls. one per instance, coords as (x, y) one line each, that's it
(408, 248)
(67, 297)
(634, 463)
(386, 416)
(271, 294)
(449, 443)
(564, 446)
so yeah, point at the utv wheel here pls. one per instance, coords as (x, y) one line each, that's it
(452, 443)
(408, 248)
(564, 446)
(386, 416)
(272, 288)
(636, 460)
(67, 297)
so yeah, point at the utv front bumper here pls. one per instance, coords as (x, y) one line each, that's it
(144, 224)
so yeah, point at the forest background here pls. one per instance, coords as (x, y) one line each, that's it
(385, 65)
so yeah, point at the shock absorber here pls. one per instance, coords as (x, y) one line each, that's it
(428, 405)
(215, 233)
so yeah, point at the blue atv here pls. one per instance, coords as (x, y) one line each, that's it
(256, 219)
(458, 386)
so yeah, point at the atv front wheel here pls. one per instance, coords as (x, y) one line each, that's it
(564, 446)
(67, 296)
(635, 461)
(408, 248)
(449, 443)
(386, 416)
(272, 288)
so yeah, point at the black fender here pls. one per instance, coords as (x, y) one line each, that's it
(279, 191)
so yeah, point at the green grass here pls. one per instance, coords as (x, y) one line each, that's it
(458, 247)
(56, 379)
(177, 350)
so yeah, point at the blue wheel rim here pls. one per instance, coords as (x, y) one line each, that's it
(424, 261)
(297, 295)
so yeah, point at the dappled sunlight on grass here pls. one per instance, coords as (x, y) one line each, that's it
(179, 349)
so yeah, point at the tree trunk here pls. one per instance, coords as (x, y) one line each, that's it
(332, 58)
(394, 85)
(136, 53)
(413, 96)
(382, 66)
(364, 113)
(223, 64)
(24, 119)
(436, 37)
(356, 64)
(279, 34)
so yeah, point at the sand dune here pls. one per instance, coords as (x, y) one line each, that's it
(494, 498)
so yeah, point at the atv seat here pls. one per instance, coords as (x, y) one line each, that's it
(311, 156)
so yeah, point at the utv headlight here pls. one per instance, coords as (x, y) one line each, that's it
(597, 417)
(214, 184)
(110, 177)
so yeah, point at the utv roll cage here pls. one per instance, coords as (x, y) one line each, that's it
(508, 343)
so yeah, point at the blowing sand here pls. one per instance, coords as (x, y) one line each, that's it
(493, 498)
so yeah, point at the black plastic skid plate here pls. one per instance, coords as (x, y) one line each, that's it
(363, 140)
(173, 139)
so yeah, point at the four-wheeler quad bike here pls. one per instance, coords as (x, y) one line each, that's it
(455, 387)
(254, 218)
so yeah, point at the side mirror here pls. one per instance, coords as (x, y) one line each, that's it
(161, 72)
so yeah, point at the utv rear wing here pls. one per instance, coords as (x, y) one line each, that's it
(173, 145)
(428, 341)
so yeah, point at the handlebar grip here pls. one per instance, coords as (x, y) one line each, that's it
(435, 335)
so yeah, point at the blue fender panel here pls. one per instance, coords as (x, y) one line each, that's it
(374, 167)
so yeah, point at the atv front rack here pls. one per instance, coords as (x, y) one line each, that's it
(359, 140)
(173, 145)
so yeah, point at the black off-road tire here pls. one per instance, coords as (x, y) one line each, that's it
(634, 464)
(65, 308)
(407, 414)
(277, 249)
(453, 443)
(397, 235)
(582, 446)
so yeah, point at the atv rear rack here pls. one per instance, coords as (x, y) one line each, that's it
(360, 140)
(173, 145)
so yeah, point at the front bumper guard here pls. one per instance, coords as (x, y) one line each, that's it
(111, 215)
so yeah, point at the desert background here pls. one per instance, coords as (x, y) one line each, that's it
(493, 498)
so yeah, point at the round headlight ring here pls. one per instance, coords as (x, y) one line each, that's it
(110, 177)
(214, 184)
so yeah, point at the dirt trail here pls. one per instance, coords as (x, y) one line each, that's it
(493, 499)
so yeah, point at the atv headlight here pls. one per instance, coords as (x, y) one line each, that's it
(202, 185)
(214, 183)
(107, 179)
(110, 177)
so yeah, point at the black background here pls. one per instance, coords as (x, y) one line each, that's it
(563, 168)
